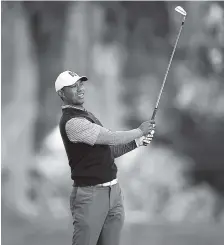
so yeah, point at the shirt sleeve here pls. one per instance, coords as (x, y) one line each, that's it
(108, 137)
(81, 130)
(120, 150)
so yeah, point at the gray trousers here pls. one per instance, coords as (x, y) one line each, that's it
(98, 215)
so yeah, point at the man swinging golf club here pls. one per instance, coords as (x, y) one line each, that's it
(96, 201)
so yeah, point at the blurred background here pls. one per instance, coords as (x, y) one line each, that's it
(174, 188)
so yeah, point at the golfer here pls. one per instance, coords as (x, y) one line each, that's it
(96, 201)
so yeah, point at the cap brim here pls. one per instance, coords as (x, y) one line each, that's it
(83, 78)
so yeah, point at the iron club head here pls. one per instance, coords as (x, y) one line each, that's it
(180, 10)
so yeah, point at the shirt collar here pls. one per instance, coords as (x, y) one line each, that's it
(73, 107)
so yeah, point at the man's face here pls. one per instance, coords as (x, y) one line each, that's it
(74, 94)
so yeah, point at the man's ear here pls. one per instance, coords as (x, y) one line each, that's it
(61, 94)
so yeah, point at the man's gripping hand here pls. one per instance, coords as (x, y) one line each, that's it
(145, 140)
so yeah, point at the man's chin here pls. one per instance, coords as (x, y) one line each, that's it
(79, 103)
(82, 102)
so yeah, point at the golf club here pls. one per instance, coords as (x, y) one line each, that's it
(180, 10)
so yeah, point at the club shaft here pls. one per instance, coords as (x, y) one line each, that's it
(167, 71)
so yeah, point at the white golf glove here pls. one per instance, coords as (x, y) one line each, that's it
(145, 140)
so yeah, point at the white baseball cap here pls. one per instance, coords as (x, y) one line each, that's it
(67, 78)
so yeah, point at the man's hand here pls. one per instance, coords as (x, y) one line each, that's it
(145, 140)
(148, 138)
(147, 126)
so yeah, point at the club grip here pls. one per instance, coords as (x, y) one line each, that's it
(154, 113)
(152, 118)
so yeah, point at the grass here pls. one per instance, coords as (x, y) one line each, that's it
(19, 231)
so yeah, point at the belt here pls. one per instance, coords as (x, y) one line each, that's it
(113, 182)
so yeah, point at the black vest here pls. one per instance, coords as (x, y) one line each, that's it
(90, 165)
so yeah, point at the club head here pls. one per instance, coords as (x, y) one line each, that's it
(180, 10)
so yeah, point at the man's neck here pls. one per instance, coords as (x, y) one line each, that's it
(73, 105)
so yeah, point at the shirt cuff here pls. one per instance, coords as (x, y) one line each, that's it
(138, 142)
